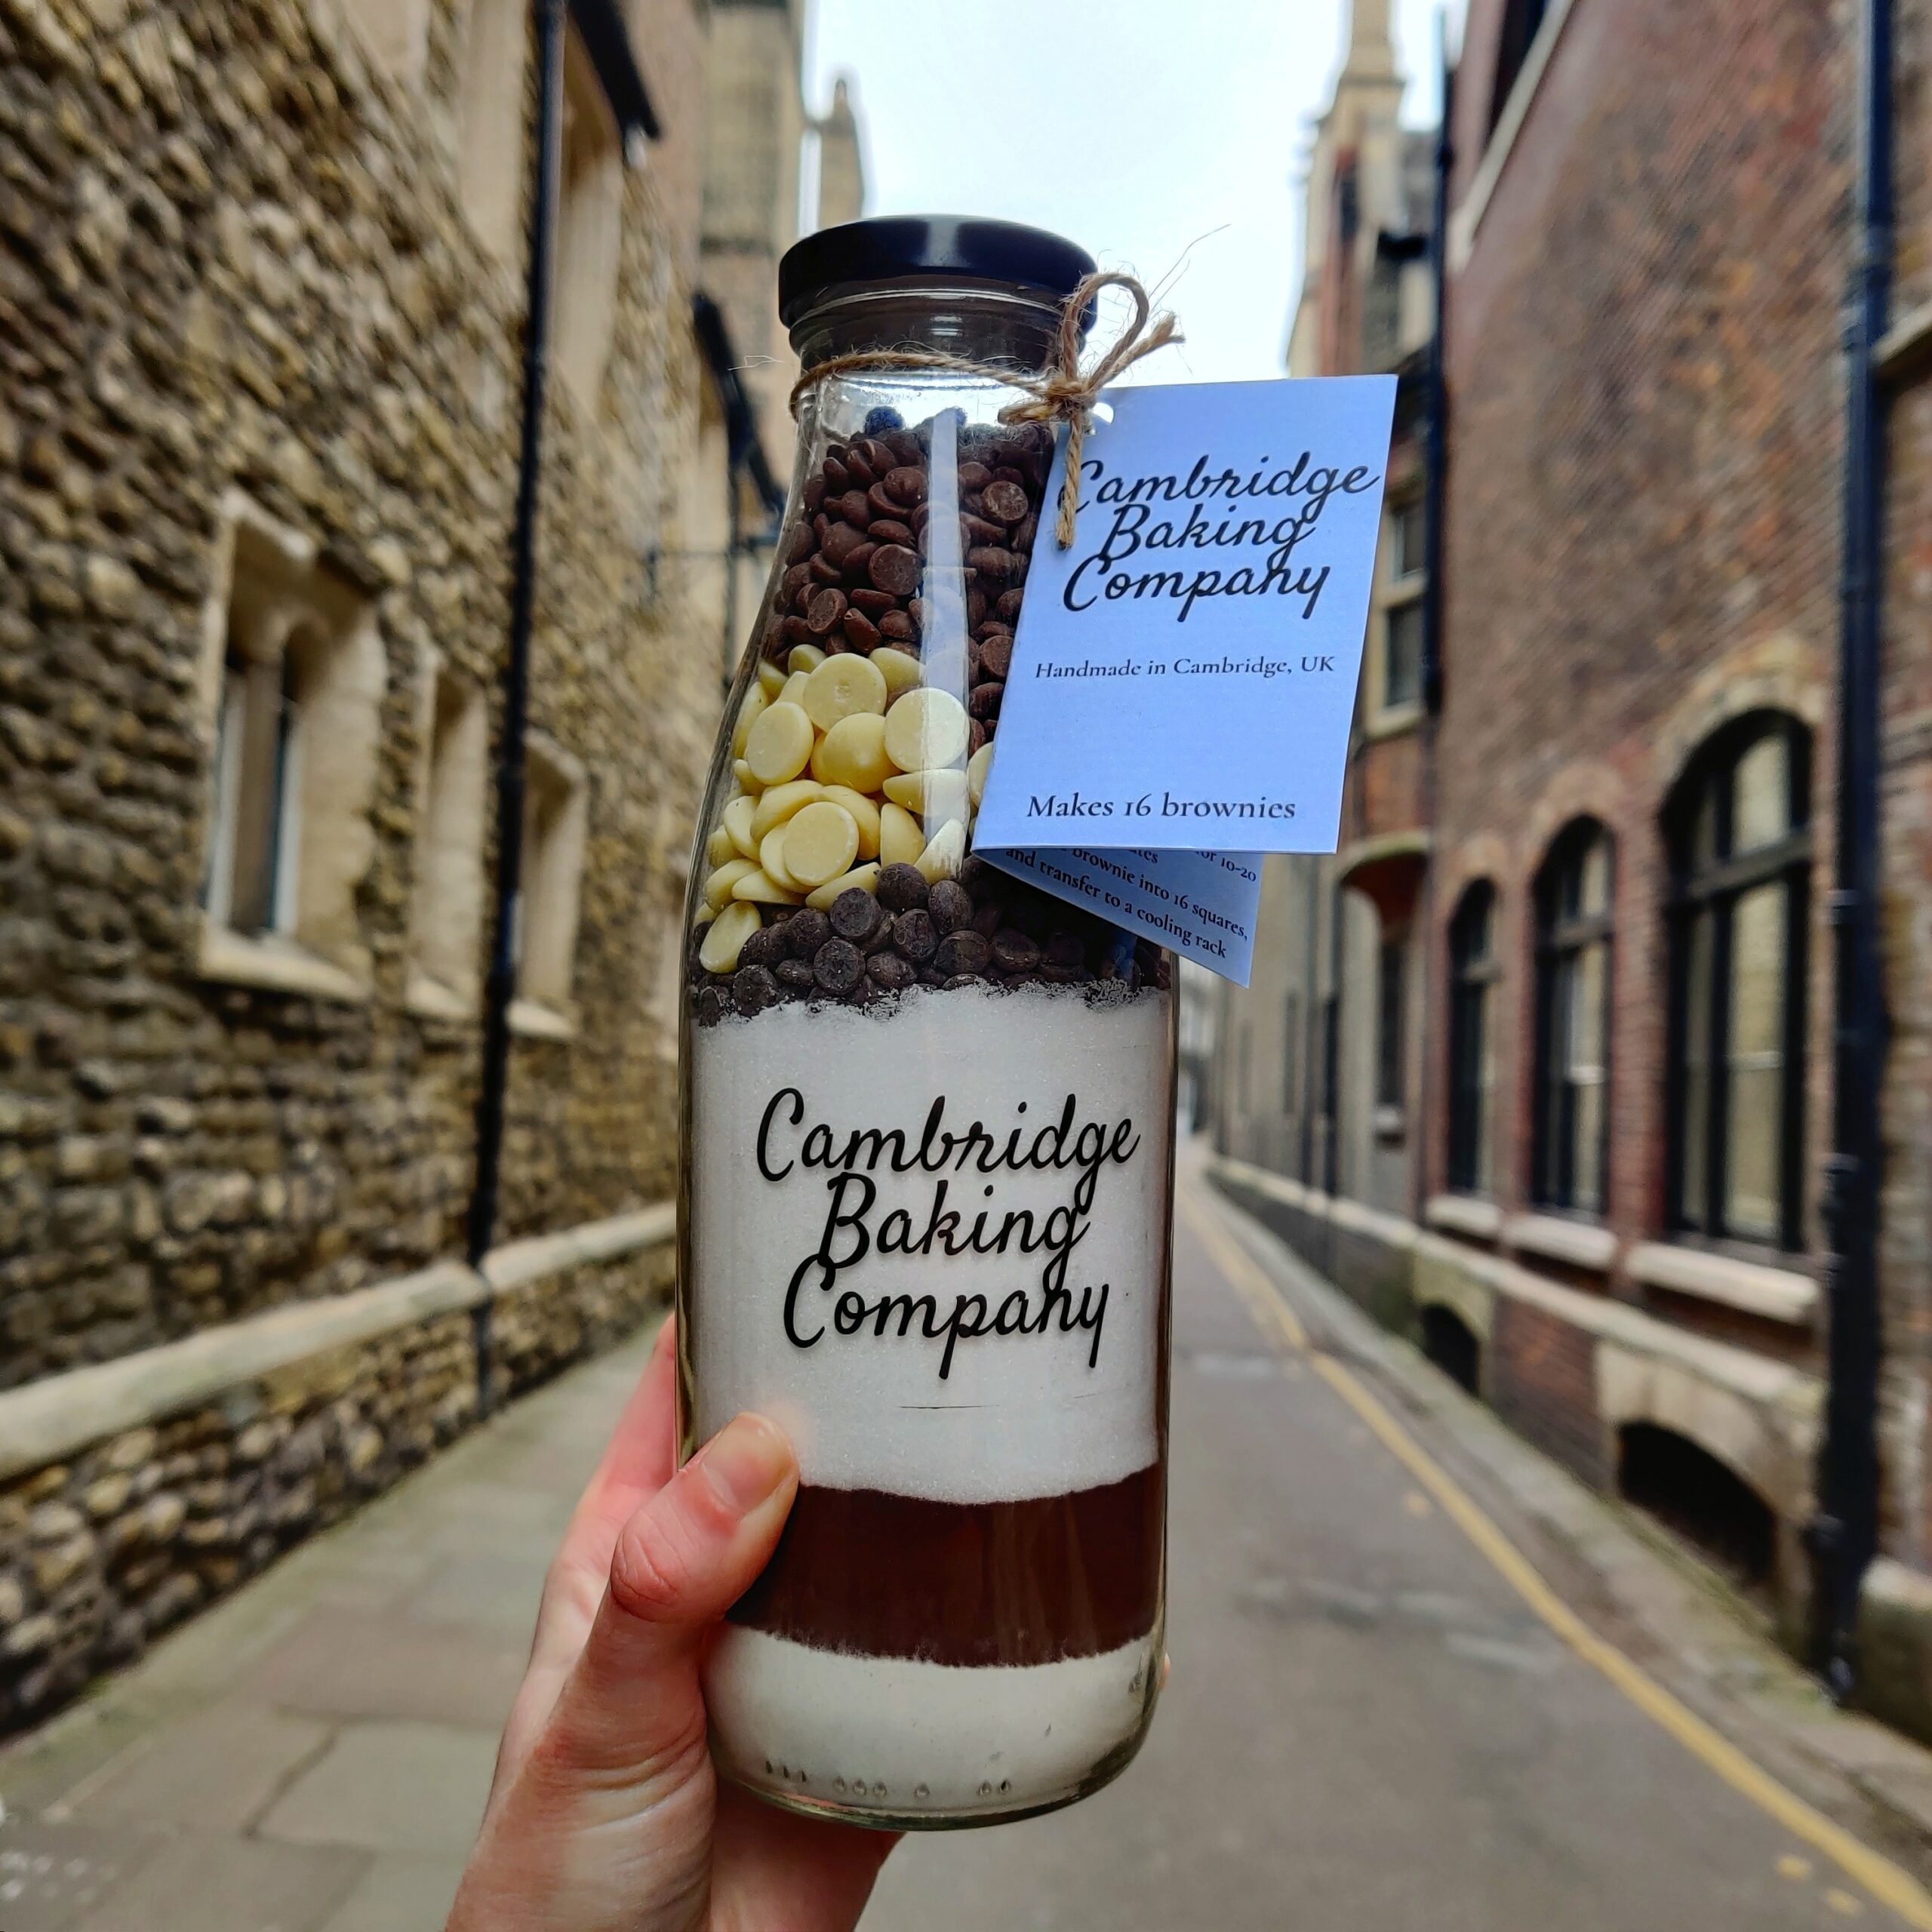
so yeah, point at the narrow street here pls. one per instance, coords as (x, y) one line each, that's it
(1367, 1726)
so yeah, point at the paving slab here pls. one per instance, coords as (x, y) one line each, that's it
(52, 1874)
(217, 1771)
(478, 1593)
(399, 1894)
(204, 1882)
(394, 1787)
(354, 1664)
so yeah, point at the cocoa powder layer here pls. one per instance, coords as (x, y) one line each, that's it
(1021, 1583)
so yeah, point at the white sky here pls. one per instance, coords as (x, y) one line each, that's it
(1136, 127)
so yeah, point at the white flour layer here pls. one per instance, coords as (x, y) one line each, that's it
(898, 1736)
(1017, 1415)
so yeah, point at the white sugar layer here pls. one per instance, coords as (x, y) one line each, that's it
(1055, 1406)
(894, 1736)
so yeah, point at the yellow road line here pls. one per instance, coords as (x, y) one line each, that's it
(1885, 1882)
(1271, 1314)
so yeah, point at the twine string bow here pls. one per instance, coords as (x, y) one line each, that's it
(1061, 392)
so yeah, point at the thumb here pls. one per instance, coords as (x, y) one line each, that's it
(632, 1706)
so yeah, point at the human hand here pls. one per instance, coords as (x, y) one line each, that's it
(605, 1813)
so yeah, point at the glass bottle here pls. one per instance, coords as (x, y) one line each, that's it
(928, 1110)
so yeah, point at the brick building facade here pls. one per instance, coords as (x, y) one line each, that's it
(1623, 1074)
(261, 296)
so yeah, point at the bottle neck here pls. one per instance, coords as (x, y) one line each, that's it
(978, 324)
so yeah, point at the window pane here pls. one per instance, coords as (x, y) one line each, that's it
(1470, 1076)
(1754, 1056)
(1751, 1197)
(1406, 534)
(1485, 1108)
(1401, 660)
(1584, 1035)
(1704, 829)
(1586, 1175)
(1761, 808)
(1757, 973)
(1389, 1082)
(254, 898)
(1291, 1095)
(1695, 1126)
(1593, 883)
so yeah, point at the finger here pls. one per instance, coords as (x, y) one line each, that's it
(631, 1705)
(635, 1464)
(774, 1868)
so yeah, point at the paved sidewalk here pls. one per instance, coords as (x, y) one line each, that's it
(313, 1755)
(1367, 1728)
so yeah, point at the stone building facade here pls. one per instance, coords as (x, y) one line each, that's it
(261, 295)
(1615, 1228)
(758, 131)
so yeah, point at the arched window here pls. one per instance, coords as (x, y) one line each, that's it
(1472, 971)
(1739, 828)
(1571, 1120)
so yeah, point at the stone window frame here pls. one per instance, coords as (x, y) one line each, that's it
(490, 123)
(556, 827)
(274, 600)
(589, 231)
(450, 887)
(396, 34)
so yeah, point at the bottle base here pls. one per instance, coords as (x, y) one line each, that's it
(900, 1745)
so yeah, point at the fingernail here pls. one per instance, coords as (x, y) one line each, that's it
(746, 1461)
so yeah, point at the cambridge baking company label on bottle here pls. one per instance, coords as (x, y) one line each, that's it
(939, 1268)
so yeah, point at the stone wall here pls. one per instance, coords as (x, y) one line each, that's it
(103, 1552)
(238, 263)
(236, 270)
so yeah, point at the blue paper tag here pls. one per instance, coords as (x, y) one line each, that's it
(1186, 670)
(1200, 904)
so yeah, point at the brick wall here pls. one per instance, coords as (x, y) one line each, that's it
(1541, 1378)
(1906, 1232)
(1640, 521)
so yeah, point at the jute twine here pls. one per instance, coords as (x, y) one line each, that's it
(1061, 392)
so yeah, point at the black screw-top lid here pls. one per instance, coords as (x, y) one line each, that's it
(891, 247)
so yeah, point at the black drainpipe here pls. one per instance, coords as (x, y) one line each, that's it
(1311, 1019)
(499, 988)
(1844, 1533)
(1436, 446)
(1423, 1140)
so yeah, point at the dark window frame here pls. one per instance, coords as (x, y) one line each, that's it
(1564, 934)
(1404, 569)
(1292, 1097)
(1711, 890)
(1522, 21)
(1398, 693)
(1474, 968)
(1392, 1006)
